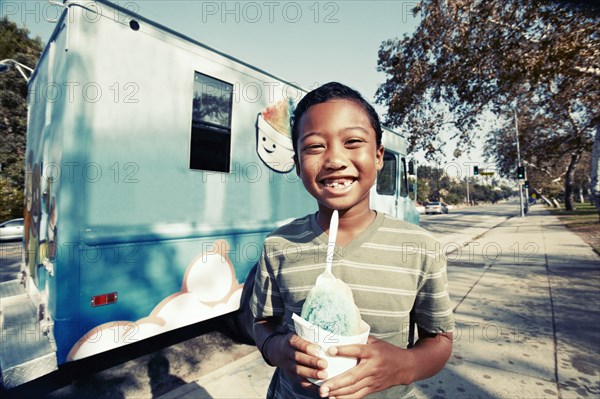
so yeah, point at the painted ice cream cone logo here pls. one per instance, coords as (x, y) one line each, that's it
(274, 138)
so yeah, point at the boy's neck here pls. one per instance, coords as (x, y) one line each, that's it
(351, 223)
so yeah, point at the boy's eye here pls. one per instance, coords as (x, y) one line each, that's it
(313, 147)
(354, 142)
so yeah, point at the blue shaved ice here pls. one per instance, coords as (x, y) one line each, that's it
(332, 308)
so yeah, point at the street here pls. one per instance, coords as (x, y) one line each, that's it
(457, 218)
(142, 370)
(10, 258)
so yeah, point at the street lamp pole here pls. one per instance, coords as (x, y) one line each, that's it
(7, 63)
(467, 178)
(521, 209)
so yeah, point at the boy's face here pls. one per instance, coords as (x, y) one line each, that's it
(337, 157)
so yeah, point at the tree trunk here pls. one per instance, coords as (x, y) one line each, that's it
(547, 201)
(555, 202)
(594, 169)
(569, 197)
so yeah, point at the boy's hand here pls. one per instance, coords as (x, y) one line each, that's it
(382, 365)
(298, 358)
(374, 371)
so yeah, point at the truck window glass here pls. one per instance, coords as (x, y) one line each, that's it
(404, 181)
(386, 178)
(210, 146)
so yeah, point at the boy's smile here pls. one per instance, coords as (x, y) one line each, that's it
(338, 158)
(335, 182)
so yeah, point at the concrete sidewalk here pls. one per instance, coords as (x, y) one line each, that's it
(526, 297)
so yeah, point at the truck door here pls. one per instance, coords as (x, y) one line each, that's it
(384, 196)
(405, 205)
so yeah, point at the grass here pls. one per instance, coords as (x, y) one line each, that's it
(583, 221)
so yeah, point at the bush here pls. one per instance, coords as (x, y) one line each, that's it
(11, 200)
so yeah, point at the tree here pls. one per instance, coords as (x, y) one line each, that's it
(468, 58)
(595, 170)
(436, 185)
(422, 190)
(16, 44)
(546, 170)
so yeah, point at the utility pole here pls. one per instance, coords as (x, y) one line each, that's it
(468, 197)
(526, 187)
(521, 209)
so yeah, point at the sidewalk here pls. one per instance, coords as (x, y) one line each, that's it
(526, 297)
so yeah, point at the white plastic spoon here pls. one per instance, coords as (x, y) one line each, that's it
(327, 276)
(330, 303)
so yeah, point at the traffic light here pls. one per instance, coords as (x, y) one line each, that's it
(526, 184)
(475, 170)
(521, 172)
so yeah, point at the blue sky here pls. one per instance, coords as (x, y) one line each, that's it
(306, 41)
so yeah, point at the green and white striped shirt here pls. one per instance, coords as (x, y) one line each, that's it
(391, 267)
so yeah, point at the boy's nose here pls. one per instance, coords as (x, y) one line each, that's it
(332, 165)
(335, 159)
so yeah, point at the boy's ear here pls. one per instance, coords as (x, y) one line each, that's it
(379, 157)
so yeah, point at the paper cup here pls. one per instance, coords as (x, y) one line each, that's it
(336, 365)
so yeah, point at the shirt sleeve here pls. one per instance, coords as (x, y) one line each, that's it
(433, 310)
(266, 299)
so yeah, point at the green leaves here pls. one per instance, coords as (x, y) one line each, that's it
(16, 44)
(470, 57)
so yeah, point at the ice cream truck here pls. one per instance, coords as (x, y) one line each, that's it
(155, 167)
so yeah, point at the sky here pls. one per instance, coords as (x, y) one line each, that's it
(307, 42)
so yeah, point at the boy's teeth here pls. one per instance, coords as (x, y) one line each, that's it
(335, 184)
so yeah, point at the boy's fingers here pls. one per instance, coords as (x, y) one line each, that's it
(344, 386)
(341, 384)
(310, 361)
(346, 350)
(303, 345)
(332, 391)
(307, 372)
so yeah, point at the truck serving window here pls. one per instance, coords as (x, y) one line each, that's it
(210, 144)
(386, 178)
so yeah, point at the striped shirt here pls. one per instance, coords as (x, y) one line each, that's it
(391, 267)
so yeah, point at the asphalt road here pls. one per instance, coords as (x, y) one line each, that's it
(10, 259)
(458, 218)
(157, 366)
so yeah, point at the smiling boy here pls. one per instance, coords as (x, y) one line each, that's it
(337, 144)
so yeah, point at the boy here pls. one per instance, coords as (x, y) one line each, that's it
(337, 144)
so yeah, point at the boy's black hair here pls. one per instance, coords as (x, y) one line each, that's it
(333, 91)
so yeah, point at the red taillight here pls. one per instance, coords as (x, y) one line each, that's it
(104, 299)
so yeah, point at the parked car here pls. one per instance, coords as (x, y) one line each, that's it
(11, 230)
(436, 207)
